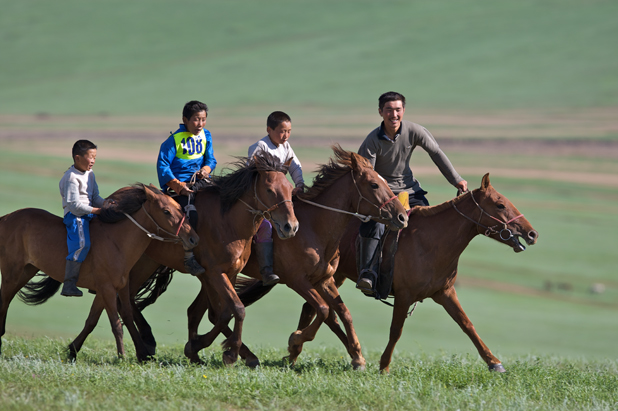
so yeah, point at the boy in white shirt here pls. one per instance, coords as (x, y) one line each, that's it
(81, 202)
(278, 128)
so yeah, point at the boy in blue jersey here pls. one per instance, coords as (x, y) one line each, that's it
(81, 202)
(186, 158)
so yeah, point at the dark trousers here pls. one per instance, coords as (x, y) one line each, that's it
(373, 229)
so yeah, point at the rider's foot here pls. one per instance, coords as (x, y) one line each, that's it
(192, 266)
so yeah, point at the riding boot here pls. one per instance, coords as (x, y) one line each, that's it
(265, 256)
(366, 249)
(191, 264)
(71, 274)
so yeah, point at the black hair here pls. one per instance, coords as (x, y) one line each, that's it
(193, 107)
(275, 118)
(390, 96)
(81, 147)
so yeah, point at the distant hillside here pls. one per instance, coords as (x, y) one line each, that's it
(118, 57)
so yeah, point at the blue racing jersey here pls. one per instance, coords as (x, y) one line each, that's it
(182, 154)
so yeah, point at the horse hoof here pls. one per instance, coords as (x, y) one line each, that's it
(289, 360)
(229, 358)
(193, 357)
(151, 350)
(358, 365)
(497, 368)
(253, 363)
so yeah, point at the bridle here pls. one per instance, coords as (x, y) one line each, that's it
(262, 213)
(489, 230)
(363, 218)
(174, 239)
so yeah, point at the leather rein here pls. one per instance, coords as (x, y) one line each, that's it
(174, 239)
(363, 218)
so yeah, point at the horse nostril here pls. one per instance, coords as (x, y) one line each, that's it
(533, 234)
(287, 228)
(401, 218)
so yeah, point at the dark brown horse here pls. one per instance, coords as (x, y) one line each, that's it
(427, 258)
(229, 214)
(344, 188)
(33, 239)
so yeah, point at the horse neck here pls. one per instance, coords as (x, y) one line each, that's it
(132, 237)
(449, 226)
(326, 222)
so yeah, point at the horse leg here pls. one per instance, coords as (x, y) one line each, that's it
(108, 294)
(400, 313)
(145, 331)
(330, 293)
(295, 344)
(195, 313)
(126, 312)
(11, 284)
(448, 299)
(93, 318)
(251, 360)
(229, 306)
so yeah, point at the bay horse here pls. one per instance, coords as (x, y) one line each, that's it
(230, 210)
(33, 240)
(346, 187)
(426, 260)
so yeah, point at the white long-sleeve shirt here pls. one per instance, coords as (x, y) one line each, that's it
(283, 152)
(80, 192)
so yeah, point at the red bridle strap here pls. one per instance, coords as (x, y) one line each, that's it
(388, 201)
(181, 222)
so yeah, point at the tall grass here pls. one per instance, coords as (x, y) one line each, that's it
(35, 375)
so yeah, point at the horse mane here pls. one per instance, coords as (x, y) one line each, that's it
(328, 173)
(128, 200)
(426, 211)
(235, 184)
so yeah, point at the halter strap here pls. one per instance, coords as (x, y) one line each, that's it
(488, 230)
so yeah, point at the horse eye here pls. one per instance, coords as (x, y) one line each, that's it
(166, 212)
(501, 206)
(375, 186)
(270, 191)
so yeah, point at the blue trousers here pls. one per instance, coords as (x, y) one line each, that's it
(78, 236)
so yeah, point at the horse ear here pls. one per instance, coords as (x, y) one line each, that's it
(354, 161)
(485, 182)
(288, 163)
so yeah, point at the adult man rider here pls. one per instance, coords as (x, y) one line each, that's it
(389, 148)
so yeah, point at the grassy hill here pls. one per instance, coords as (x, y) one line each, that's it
(117, 57)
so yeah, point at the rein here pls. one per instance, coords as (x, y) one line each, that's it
(262, 213)
(175, 238)
(363, 218)
(490, 230)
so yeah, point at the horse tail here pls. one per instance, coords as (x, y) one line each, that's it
(154, 286)
(250, 290)
(37, 293)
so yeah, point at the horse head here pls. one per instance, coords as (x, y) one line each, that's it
(375, 197)
(169, 217)
(501, 219)
(273, 194)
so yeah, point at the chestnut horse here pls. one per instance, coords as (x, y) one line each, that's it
(230, 211)
(427, 257)
(344, 188)
(33, 239)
